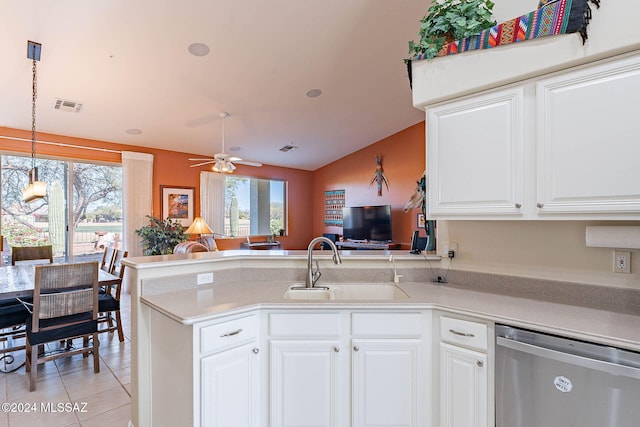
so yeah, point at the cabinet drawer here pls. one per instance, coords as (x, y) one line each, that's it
(382, 325)
(228, 334)
(304, 324)
(464, 333)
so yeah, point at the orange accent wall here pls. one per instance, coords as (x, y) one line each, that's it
(403, 162)
(172, 168)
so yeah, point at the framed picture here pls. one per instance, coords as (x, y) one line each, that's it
(421, 221)
(178, 203)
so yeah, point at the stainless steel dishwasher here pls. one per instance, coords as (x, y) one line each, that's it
(548, 381)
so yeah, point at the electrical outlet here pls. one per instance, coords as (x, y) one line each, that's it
(450, 247)
(621, 262)
(205, 278)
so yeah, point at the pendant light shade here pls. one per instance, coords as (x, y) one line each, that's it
(36, 189)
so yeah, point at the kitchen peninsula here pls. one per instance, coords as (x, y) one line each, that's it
(239, 334)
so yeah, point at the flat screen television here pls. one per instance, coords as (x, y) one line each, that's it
(367, 223)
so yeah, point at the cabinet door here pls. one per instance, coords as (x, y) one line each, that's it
(305, 383)
(587, 129)
(475, 155)
(463, 387)
(230, 388)
(386, 377)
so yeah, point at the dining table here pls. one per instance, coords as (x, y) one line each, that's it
(18, 280)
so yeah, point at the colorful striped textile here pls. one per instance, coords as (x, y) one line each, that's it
(551, 18)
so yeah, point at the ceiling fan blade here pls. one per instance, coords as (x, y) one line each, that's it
(201, 160)
(203, 163)
(248, 163)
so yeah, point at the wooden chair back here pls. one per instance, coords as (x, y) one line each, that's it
(107, 259)
(64, 290)
(31, 253)
(118, 270)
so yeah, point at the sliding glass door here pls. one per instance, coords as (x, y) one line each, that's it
(77, 231)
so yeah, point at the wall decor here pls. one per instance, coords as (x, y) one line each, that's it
(378, 176)
(334, 202)
(178, 203)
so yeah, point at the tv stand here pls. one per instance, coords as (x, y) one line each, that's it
(364, 245)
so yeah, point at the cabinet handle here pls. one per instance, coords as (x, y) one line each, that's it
(230, 334)
(336, 349)
(480, 363)
(256, 350)
(518, 205)
(356, 348)
(540, 205)
(462, 334)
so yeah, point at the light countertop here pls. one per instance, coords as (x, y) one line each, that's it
(209, 302)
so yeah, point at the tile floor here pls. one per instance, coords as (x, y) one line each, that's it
(68, 391)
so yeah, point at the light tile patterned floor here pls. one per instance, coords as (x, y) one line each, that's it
(86, 399)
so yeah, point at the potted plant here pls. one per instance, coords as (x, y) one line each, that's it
(449, 20)
(161, 236)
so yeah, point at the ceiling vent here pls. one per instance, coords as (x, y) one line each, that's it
(287, 148)
(65, 105)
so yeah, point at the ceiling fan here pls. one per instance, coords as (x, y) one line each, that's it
(223, 162)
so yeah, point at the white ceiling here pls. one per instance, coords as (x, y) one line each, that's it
(127, 63)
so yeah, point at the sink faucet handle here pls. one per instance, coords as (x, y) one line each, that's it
(316, 274)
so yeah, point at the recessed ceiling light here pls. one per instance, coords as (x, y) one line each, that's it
(314, 93)
(198, 49)
(133, 131)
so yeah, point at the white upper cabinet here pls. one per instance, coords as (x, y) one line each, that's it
(587, 140)
(562, 147)
(475, 155)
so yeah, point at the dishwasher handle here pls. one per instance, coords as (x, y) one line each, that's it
(585, 362)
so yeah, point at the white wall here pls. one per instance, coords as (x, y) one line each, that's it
(542, 249)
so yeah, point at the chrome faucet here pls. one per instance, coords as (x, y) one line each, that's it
(313, 276)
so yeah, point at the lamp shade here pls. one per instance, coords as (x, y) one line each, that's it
(36, 189)
(199, 226)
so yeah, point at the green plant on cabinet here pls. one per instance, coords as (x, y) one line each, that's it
(449, 20)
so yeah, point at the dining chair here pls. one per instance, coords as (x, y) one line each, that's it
(65, 307)
(13, 317)
(109, 301)
(107, 258)
(31, 253)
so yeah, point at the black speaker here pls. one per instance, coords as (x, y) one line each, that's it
(418, 244)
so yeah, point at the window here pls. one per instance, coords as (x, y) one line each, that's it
(95, 216)
(254, 206)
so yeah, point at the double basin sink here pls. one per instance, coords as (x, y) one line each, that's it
(347, 292)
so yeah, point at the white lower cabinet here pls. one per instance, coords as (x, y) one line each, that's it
(344, 368)
(230, 387)
(385, 382)
(464, 373)
(463, 387)
(304, 383)
(351, 369)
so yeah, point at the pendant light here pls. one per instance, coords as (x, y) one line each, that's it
(36, 189)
